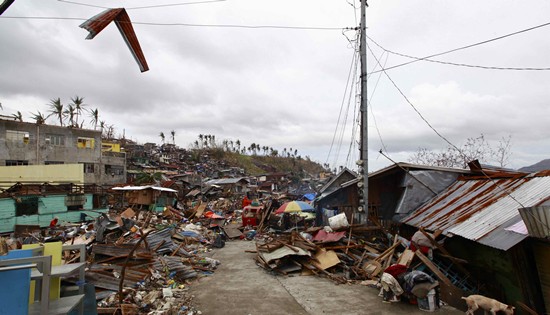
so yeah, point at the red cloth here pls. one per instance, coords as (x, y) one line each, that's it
(423, 249)
(53, 223)
(246, 201)
(396, 270)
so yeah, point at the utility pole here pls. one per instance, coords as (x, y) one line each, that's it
(364, 162)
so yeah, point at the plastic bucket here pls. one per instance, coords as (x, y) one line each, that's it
(429, 303)
(338, 221)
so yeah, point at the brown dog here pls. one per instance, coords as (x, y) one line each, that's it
(487, 304)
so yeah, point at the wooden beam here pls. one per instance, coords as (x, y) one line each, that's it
(445, 252)
(433, 268)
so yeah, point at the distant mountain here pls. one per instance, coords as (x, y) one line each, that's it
(540, 166)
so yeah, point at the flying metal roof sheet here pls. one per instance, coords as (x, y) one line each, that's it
(480, 210)
(98, 22)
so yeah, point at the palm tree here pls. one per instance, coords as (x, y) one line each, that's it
(94, 115)
(70, 113)
(18, 116)
(78, 103)
(39, 118)
(162, 137)
(56, 108)
(238, 143)
(173, 134)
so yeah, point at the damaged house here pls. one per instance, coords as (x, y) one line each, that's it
(394, 191)
(147, 197)
(480, 217)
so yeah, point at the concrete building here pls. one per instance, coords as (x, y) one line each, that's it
(23, 143)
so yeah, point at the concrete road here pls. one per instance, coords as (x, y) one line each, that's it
(240, 287)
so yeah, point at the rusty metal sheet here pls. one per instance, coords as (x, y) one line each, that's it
(98, 22)
(116, 250)
(480, 208)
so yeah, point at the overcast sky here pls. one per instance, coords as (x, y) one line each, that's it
(286, 87)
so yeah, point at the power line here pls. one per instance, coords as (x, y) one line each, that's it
(468, 46)
(370, 103)
(84, 4)
(459, 64)
(350, 73)
(174, 4)
(411, 104)
(317, 28)
(144, 7)
(442, 137)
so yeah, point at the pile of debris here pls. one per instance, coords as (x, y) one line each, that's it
(139, 261)
(155, 260)
(348, 254)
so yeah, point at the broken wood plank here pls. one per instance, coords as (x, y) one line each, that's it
(390, 254)
(350, 231)
(434, 269)
(406, 257)
(387, 252)
(444, 251)
(527, 308)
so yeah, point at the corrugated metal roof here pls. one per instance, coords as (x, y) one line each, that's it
(479, 210)
(98, 22)
(225, 181)
(537, 220)
(502, 238)
(410, 166)
(130, 188)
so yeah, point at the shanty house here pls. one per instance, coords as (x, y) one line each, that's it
(394, 191)
(149, 197)
(480, 217)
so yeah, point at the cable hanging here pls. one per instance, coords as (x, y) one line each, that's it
(442, 137)
(468, 46)
(458, 64)
(310, 28)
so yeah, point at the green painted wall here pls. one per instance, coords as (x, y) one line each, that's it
(48, 207)
(7, 208)
(52, 204)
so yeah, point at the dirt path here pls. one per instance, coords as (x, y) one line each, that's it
(239, 287)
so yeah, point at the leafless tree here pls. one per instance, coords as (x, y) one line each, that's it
(474, 149)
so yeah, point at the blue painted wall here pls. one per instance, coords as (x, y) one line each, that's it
(14, 298)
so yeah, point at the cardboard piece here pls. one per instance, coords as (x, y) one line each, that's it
(200, 210)
(128, 213)
(325, 259)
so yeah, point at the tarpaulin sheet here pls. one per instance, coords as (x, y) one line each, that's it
(323, 237)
